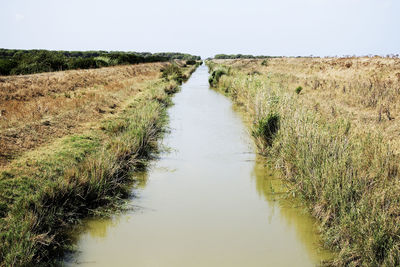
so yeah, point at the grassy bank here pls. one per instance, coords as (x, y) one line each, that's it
(47, 189)
(343, 166)
(35, 109)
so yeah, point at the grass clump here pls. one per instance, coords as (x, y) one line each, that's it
(267, 127)
(264, 62)
(173, 72)
(216, 75)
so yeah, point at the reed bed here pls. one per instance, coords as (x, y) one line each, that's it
(344, 167)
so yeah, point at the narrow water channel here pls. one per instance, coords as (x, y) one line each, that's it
(208, 201)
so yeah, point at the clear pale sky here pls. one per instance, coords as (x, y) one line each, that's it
(204, 27)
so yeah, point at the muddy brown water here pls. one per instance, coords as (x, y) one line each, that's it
(208, 201)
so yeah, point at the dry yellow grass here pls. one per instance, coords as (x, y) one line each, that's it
(37, 108)
(366, 91)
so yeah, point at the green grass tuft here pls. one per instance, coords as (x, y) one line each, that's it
(216, 75)
(267, 127)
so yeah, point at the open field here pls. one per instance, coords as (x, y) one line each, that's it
(38, 108)
(68, 142)
(331, 126)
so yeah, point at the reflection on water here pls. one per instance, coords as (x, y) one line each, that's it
(208, 201)
(97, 228)
(141, 179)
(291, 212)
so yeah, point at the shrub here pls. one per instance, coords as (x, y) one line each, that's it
(82, 63)
(191, 62)
(6, 65)
(38, 61)
(172, 72)
(267, 127)
(215, 76)
(264, 62)
(103, 62)
(298, 90)
(26, 68)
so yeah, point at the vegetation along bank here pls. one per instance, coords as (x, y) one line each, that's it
(15, 62)
(69, 141)
(330, 125)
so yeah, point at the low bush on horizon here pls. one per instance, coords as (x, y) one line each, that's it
(238, 56)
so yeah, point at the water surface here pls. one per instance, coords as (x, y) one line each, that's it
(209, 201)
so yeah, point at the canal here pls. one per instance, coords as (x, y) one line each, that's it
(209, 200)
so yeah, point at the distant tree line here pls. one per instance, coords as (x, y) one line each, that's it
(237, 56)
(14, 61)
